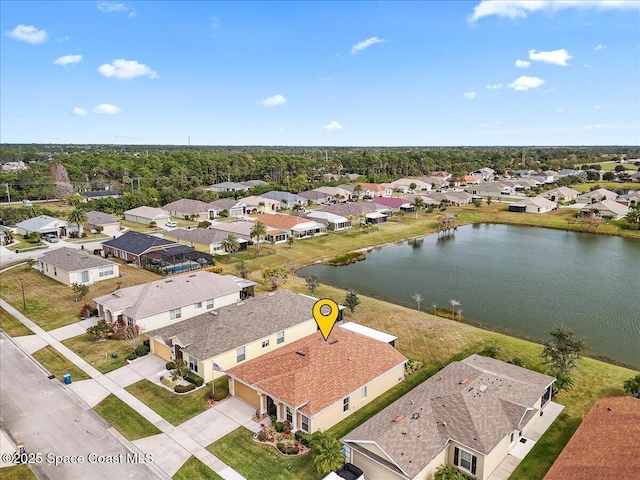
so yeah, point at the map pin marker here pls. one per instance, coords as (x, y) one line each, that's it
(325, 322)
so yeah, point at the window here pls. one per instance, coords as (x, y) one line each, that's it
(240, 355)
(464, 459)
(289, 415)
(345, 404)
(280, 337)
(512, 437)
(198, 305)
(210, 304)
(305, 423)
(106, 271)
(129, 321)
(265, 344)
(175, 313)
(55, 271)
(363, 392)
(193, 363)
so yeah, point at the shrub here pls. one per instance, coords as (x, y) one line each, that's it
(281, 447)
(133, 356)
(220, 395)
(274, 419)
(170, 366)
(167, 382)
(303, 437)
(216, 269)
(197, 380)
(279, 426)
(147, 343)
(142, 350)
(263, 435)
(184, 388)
(292, 450)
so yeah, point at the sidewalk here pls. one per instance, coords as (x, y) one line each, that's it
(170, 449)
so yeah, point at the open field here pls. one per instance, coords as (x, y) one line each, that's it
(98, 353)
(58, 364)
(51, 304)
(607, 166)
(11, 326)
(585, 187)
(194, 468)
(125, 419)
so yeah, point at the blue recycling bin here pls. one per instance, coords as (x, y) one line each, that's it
(67, 378)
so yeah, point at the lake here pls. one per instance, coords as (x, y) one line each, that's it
(519, 280)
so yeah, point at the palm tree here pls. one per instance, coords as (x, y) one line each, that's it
(418, 203)
(258, 231)
(453, 310)
(448, 472)
(230, 244)
(418, 298)
(327, 453)
(297, 208)
(284, 204)
(357, 189)
(261, 206)
(79, 217)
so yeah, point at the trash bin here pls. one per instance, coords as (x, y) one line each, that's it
(67, 378)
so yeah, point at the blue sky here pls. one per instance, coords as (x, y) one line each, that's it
(321, 73)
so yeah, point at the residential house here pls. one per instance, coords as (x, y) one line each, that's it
(43, 224)
(365, 212)
(68, 265)
(485, 174)
(332, 221)
(234, 208)
(164, 302)
(99, 194)
(295, 226)
(374, 190)
(630, 200)
(489, 189)
(596, 195)
(110, 224)
(546, 176)
(607, 209)
(437, 182)
(570, 172)
(470, 414)
(243, 230)
(146, 215)
(254, 183)
(13, 166)
(317, 197)
(605, 445)
(204, 239)
(524, 173)
(452, 197)
(313, 383)
(286, 199)
(256, 204)
(131, 245)
(230, 187)
(561, 194)
(533, 205)
(220, 339)
(336, 193)
(403, 185)
(394, 204)
(471, 179)
(187, 208)
(371, 332)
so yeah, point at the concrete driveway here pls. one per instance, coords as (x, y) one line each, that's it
(150, 367)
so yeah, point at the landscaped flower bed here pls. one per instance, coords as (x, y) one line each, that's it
(284, 440)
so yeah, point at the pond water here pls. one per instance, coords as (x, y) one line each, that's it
(520, 280)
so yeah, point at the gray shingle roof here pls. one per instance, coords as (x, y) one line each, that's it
(36, 223)
(355, 209)
(99, 218)
(136, 243)
(203, 236)
(237, 325)
(71, 260)
(444, 408)
(187, 206)
(160, 296)
(224, 204)
(100, 194)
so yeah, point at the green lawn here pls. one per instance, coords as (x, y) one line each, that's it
(12, 326)
(174, 408)
(23, 244)
(195, 469)
(585, 187)
(125, 419)
(58, 364)
(98, 354)
(258, 462)
(19, 472)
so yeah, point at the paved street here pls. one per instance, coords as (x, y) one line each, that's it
(65, 427)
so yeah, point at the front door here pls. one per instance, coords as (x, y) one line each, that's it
(177, 352)
(272, 409)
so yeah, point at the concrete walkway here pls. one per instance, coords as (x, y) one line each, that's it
(174, 445)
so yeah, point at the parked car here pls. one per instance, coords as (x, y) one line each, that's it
(51, 238)
(348, 472)
(171, 224)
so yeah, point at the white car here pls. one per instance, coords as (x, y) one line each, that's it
(171, 224)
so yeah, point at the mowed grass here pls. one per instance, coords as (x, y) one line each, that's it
(11, 326)
(51, 304)
(174, 408)
(195, 469)
(58, 364)
(98, 353)
(19, 472)
(125, 419)
(613, 186)
(257, 462)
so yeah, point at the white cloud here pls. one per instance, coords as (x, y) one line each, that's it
(364, 44)
(80, 112)
(522, 63)
(514, 9)
(333, 126)
(469, 95)
(273, 101)
(29, 34)
(68, 60)
(600, 47)
(115, 7)
(495, 86)
(126, 69)
(107, 109)
(556, 57)
(525, 83)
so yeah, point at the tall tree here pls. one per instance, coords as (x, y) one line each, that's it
(79, 217)
(230, 244)
(563, 350)
(418, 203)
(313, 282)
(258, 231)
(418, 298)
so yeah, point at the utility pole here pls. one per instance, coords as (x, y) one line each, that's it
(8, 193)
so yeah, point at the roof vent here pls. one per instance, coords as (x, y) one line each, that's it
(214, 313)
(301, 353)
(463, 381)
(483, 388)
(332, 341)
(271, 294)
(398, 418)
(192, 276)
(168, 281)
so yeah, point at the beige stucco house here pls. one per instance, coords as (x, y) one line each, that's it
(68, 265)
(146, 215)
(470, 414)
(204, 239)
(561, 194)
(157, 304)
(533, 205)
(313, 383)
(109, 223)
(214, 342)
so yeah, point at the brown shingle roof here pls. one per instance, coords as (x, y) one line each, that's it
(71, 260)
(327, 372)
(279, 220)
(606, 445)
